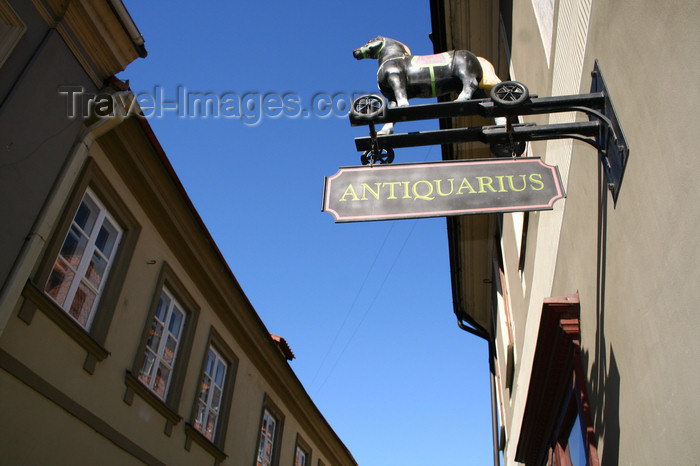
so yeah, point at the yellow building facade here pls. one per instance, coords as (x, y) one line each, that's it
(124, 336)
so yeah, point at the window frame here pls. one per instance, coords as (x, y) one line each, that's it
(210, 404)
(90, 249)
(216, 446)
(523, 242)
(557, 392)
(301, 445)
(92, 340)
(168, 406)
(171, 307)
(270, 407)
(575, 409)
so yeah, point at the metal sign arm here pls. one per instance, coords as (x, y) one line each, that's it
(485, 134)
(485, 108)
(602, 131)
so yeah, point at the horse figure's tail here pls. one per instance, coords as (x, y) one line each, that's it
(488, 76)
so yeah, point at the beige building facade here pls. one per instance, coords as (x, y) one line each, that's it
(589, 308)
(124, 336)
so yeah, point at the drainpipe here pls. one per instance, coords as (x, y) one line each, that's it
(494, 404)
(480, 332)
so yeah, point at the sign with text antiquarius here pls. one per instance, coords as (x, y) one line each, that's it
(436, 189)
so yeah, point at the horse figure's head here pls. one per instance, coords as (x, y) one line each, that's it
(381, 46)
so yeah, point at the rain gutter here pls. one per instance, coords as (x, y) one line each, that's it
(128, 24)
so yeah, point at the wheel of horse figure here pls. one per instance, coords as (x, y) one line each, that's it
(368, 107)
(509, 94)
(384, 156)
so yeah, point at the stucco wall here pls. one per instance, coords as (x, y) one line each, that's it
(633, 263)
(640, 338)
(36, 138)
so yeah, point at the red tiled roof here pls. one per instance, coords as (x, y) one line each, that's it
(283, 347)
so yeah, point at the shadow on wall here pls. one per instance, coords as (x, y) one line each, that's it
(604, 389)
(609, 420)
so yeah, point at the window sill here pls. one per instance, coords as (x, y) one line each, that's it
(196, 436)
(36, 299)
(133, 385)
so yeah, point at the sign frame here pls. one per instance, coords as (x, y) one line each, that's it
(422, 185)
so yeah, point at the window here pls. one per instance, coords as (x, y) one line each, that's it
(270, 434)
(522, 243)
(302, 453)
(211, 389)
(300, 457)
(557, 426)
(84, 260)
(212, 401)
(79, 280)
(267, 439)
(158, 372)
(162, 345)
(575, 445)
(571, 446)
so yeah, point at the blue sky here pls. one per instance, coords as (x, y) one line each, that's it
(366, 307)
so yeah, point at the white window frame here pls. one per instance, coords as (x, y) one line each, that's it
(266, 442)
(82, 270)
(300, 457)
(208, 403)
(148, 374)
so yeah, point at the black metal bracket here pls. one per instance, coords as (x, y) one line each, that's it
(614, 151)
(602, 131)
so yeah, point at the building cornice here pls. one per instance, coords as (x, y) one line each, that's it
(103, 40)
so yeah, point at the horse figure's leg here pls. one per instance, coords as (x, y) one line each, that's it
(469, 85)
(388, 128)
(468, 69)
(400, 99)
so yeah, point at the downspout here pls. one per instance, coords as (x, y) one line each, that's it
(494, 404)
(480, 332)
(475, 330)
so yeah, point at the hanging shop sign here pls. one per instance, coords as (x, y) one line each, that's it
(437, 189)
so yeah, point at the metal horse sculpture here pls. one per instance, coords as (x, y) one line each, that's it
(402, 76)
